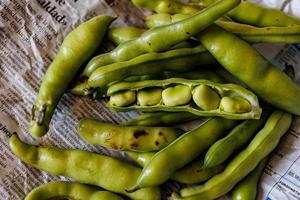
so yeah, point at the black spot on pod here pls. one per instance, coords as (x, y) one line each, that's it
(139, 133)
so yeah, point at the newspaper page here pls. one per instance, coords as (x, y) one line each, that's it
(30, 35)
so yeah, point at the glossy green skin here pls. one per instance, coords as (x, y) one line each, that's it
(253, 34)
(195, 172)
(274, 34)
(231, 90)
(109, 173)
(192, 173)
(69, 190)
(247, 188)
(77, 47)
(167, 6)
(251, 13)
(274, 86)
(128, 138)
(187, 147)
(254, 14)
(263, 144)
(151, 40)
(83, 89)
(179, 60)
(220, 151)
(120, 35)
(123, 34)
(140, 158)
(161, 119)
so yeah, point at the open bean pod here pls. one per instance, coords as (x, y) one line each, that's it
(200, 97)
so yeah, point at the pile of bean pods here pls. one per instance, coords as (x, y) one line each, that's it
(172, 72)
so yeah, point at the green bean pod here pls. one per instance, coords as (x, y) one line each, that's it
(220, 151)
(120, 35)
(200, 97)
(167, 6)
(252, 34)
(123, 34)
(247, 188)
(83, 89)
(182, 151)
(274, 86)
(77, 47)
(151, 40)
(192, 173)
(195, 172)
(76, 191)
(263, 144)
(179, 60)
(90, 168)
(257, 15)
(161, 119)
(128, 138)
(254, 14)
(140, 158)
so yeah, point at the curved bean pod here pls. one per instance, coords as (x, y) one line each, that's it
(83, 89)
(252, 34)
(167, 6)
(226, 100)
(77, 48)
(69, 190)
(123, 34)
(247, 188)
(106, 172)
(179, 60)
(254, 14)
(263, 144)
(161, 119)
(171, 34)
(192, 173)
(129, 138)
(220, 151)
(195, 172)
(187, 147)
(275, 87)
(140, 158)
(257, 15)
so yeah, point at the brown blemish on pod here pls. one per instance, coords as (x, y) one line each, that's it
(139, 133)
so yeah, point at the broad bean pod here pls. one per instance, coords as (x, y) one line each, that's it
(140, 158)
(192, 173)
(196, 74)
(195, 172)
(220, 151)
(76, 191)
(252, 34)
(257, 15)
(200, 97)
(182, 151)
(109, 173)
(161, 119)
(274, 86)
(129, 138)
(151, 40)
(119, 35)
(178, 60)
(254, 14)
(167, 6)
(247, 188)
(77, 48)
(83, 89)
(263, 144)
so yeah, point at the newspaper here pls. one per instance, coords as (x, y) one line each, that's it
(31, 33)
